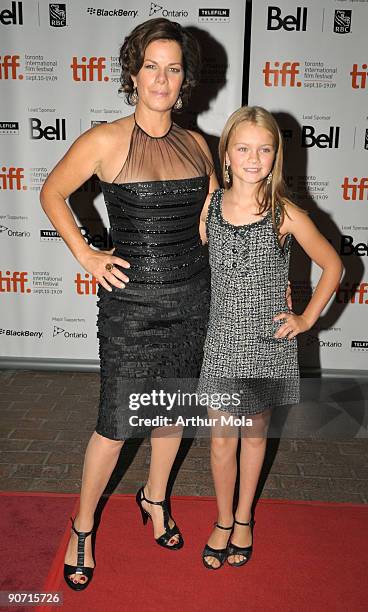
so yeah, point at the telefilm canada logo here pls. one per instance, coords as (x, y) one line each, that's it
(342, 21)
(116, 12)
(57, 14)
(214, 15)
(359, 345)
(9, 128)
(49, 235)
(165, 12)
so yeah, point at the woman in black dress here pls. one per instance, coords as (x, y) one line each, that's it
(154, 285)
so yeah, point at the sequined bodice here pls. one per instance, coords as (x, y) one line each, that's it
(154, 205)
(155, 226)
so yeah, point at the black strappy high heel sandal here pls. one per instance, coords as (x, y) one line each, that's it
(170, 532)
(245, 552)
(219, 553)
(79, 568)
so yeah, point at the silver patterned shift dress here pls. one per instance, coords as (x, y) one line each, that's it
(249, 276)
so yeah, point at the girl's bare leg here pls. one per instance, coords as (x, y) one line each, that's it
(224, 442)
(253, 448)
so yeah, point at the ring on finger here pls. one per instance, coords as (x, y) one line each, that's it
(109, 267)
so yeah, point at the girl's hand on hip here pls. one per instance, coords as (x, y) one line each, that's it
(95, 262)
(293, 325)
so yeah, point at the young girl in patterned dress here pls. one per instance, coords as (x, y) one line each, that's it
(251, 347)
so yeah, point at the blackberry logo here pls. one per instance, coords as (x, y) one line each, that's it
(91, 11)
(57, 14)
(100, 12)
(342, 21)
(155, 8)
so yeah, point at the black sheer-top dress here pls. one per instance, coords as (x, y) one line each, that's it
(152, 332)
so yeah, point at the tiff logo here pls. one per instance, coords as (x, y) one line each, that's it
(354, 190)
(86, 285)
(284, 75)
(89, 69)
(9, 65)
(359, 77)
(15, 282)
(11, 178)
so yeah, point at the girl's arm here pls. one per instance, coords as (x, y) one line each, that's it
(324, 255)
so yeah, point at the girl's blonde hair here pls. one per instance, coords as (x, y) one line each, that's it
(269, 194)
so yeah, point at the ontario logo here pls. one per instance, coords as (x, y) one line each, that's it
(157, 8)
(60, 331)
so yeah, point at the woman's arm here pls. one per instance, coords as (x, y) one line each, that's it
(324, 255)
(82, 160)
(212, 186)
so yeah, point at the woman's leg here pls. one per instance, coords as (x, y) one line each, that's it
(224, 443)
(253, 448)
(165, 442)
(99, 462)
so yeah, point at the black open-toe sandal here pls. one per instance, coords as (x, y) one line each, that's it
(170, 532)
(79, 568)
(219, 553)
(245, 552)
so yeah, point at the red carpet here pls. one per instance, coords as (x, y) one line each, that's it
(307, 556)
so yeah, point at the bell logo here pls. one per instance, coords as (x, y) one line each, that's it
(14, 282)
(11, 178)
(359, 77)
(323, 141)
(89, 69)
(288, 73)
(289, 22)
(9, 65)
(49, 132)
(357, 189)
(12, 16)
(86, 285)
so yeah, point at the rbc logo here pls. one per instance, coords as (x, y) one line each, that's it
(323, 141)
(288, 73)
(49, 132)
(89, 69)
(289, 22)
(9, 65)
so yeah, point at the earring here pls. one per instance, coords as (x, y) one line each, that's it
(178, 104)
(226, 173)
(134, 96)
(269, 178)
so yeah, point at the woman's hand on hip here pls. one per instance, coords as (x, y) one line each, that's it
(95, 263)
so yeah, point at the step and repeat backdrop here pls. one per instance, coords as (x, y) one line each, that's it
(309, 66)
(59, 76)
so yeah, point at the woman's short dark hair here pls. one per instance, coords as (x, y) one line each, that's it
(132, 52)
